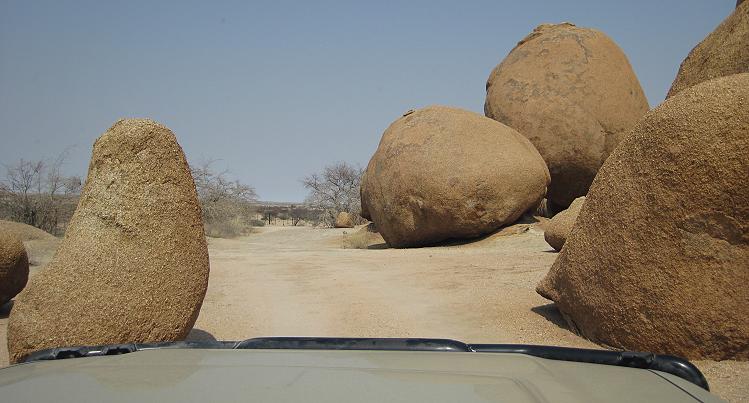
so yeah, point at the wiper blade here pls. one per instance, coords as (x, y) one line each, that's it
(664, 363)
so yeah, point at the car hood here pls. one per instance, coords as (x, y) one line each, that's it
(171, 375)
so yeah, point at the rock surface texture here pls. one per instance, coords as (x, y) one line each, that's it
(133, 266)
(659, 257)
(724, 52)
(573, 93)
(444, 173)
(344, 220)
(25, 232)
(558, 228)
(364, 207)
(14, 267)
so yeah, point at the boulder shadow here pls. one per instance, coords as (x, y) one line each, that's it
(521, 226)
(199, 335)
(5, 309)
(382, 245)
(551, 313)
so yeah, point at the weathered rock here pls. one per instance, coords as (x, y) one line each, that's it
(724, 52)
(371, 227)
(557, 229)
(659, 257)
(364, 204)
(443, 173)
(573, 93)
(133, 266)
(25, 232)
(344, 220)
(14, 267)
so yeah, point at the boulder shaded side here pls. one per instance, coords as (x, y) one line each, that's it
(558, 228)
(659, 256)
(14, 267)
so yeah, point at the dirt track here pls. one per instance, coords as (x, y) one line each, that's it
(287, 281)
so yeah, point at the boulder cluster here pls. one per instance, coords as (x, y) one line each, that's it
(555, 109)
(658, 259)
(654, 244)
(133, 266)
(659, 256)
(653, 206)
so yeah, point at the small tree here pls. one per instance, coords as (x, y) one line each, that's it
(335, 189)
(38, 194)
(227, 205)
(299, 213)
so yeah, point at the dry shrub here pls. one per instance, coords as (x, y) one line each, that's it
(334, 190)
(230, 228)
(361, 239)
(227, 205)
(38, 194)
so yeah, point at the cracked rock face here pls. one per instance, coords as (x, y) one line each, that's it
(573, 93)
(659, 256)
(443, 173)
(133, 266)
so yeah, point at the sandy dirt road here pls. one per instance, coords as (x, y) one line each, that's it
(300, 281)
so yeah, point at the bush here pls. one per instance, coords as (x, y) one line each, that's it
(227, 206)
(227, 229)
(38, 194)
(334, 190)
(361, 239)
(257, 223)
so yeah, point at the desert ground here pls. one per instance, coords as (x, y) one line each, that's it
(301, 281)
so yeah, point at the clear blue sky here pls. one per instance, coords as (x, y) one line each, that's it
(277, 89)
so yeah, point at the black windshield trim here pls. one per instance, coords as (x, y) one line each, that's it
(665, 363)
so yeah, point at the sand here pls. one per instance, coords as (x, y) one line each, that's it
(300, 281)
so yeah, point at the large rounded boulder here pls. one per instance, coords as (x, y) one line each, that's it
(573, 93)
(659, 256)
(444, 173)
(559, 227)
(724, 52)
(14, 267)
(133, 266)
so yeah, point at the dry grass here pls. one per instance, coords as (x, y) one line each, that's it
(361, 239)
(230, 228)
